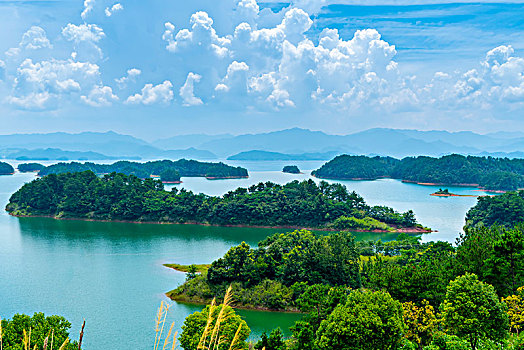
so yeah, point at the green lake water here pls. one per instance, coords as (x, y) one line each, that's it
(111, 274)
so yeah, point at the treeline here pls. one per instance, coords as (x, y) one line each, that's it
(486, 172)
(166, 169)
(6, 169)
(467, 293)
(126, 197)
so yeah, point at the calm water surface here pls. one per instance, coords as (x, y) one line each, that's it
(111, 274)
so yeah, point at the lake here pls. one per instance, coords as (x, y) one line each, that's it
(111, 274)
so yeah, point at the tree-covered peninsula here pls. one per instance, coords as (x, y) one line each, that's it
(402, 294)
(475, 282)
(126, 197)
(503, 210)
(167, 170)
(6, 169)
(486, 172)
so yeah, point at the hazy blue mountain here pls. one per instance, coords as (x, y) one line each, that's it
(291, 141)
(379, 141)
(265, 155)
(107, 145)
(506, 134)
(460, 138)
(190, 153)
(397, 143)
(51, 154)
(186, 141)
(516, 154)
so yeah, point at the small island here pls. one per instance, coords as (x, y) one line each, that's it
(6, 169)
(169, 171)
(291, 169)
(445, 193)
(120, 197)
(30, 167)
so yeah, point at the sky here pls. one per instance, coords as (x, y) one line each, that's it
(160, 68)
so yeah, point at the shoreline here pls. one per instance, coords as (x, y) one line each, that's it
(479, 188)
(205, 302)
(323, 229)
(453, 195)
(225, 177)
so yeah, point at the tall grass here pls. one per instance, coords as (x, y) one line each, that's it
(211, 337)
(160, 323)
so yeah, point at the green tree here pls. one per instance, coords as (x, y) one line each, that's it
(275, 341)
(191, 272)
(472, 310)
(40, 326)
(368, 320)
(214, 324)
(515, 310)
(420, 321)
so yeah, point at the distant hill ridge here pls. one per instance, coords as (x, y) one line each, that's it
(397, 143)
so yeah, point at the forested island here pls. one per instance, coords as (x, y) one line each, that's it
(486, 172)
(402, 294)
(30, 167)
(6, 169)
(167, 170)
(291, 169)
(126, 197)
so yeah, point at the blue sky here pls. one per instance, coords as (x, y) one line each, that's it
(159, 68)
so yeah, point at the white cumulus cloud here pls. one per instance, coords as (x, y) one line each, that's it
(187, 91)
(153, 94)
(88, 7)
(100, 96)
(109, 11)
(132, 74)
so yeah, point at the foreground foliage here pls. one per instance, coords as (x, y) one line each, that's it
(37, 331)
(472, 310)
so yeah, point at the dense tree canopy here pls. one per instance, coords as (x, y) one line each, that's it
(126, 197)
(6, 169)
(505, 210)
(291, 169)
(144, 170)
(487, 172)
(299, 256)
(367, 321)
(30, 167)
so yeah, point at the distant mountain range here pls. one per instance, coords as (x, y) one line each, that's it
(289, 144)
(89, 146)
(268, 156)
